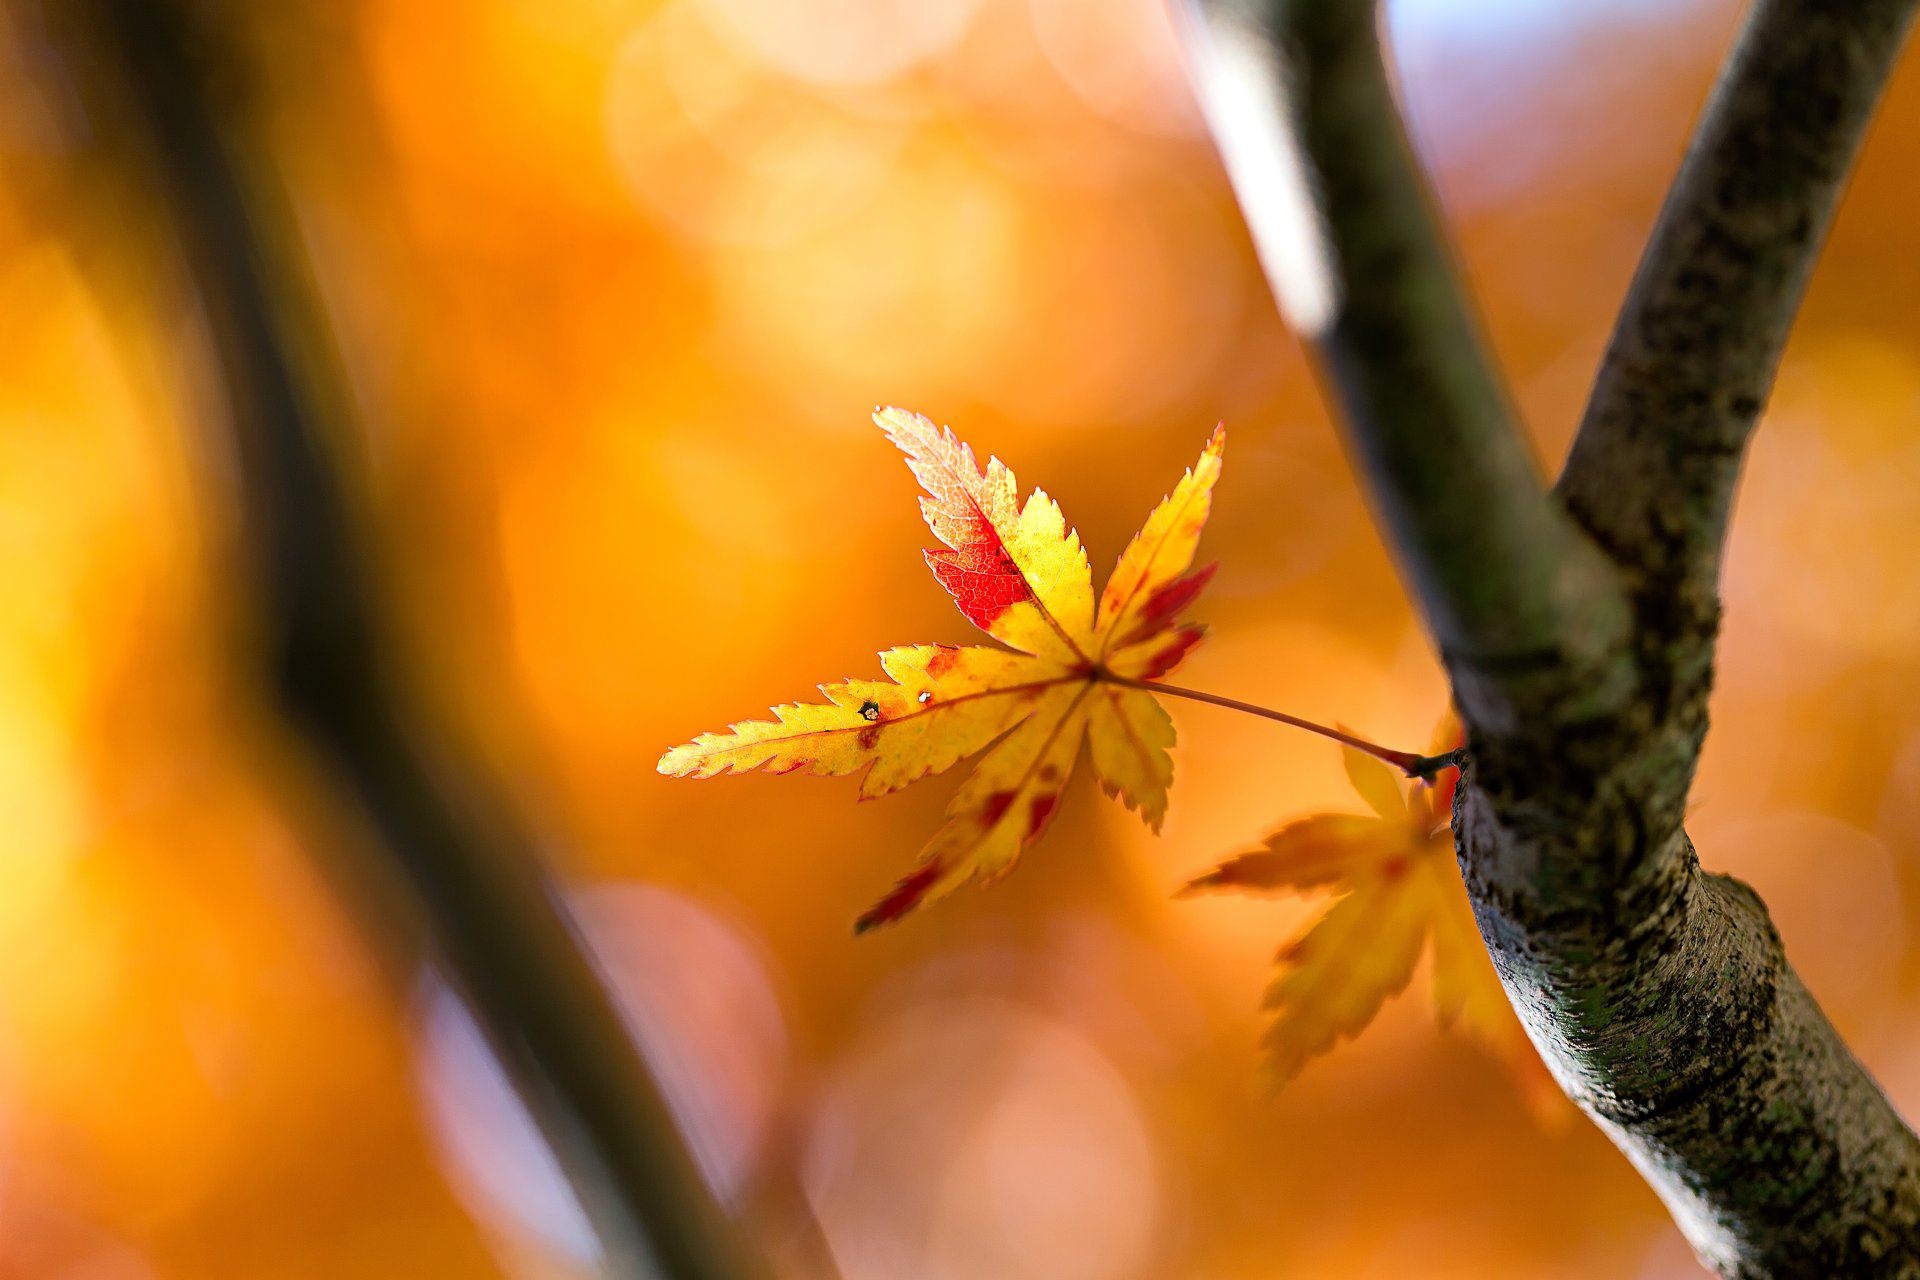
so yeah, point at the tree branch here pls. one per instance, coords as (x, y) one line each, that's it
(151, 72)
(1298, 100)
(1579, 637)
(1694, 350)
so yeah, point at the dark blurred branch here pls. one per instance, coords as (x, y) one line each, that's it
(1578, 637)
(160, 86)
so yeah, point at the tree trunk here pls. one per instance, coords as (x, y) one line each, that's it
(1577, 625)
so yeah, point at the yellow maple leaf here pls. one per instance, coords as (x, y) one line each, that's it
(1398, 891)
(1073, 671)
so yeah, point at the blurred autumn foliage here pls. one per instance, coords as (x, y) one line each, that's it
(1396, 896)
(617, 283)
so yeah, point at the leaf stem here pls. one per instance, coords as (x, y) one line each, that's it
(1410, 763)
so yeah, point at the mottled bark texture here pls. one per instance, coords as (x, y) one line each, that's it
(1578, 625)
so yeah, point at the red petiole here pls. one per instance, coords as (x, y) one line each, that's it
(1408, 762)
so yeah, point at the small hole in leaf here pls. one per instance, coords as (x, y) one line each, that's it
(869, 710)
(925, 697)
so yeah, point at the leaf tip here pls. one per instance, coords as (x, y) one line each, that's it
(904, 897)
(1279, 1069)
(1206, 882)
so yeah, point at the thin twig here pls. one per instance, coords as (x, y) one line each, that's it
(1410, 763)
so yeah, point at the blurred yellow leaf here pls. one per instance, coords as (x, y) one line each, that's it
(1398, 888)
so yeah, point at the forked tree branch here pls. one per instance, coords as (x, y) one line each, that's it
(1577, 627)
(1298, 100)
(1695, 348)
(162, 94)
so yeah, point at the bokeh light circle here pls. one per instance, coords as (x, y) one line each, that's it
(976, 1139)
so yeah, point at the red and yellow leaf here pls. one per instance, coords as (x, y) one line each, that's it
(941, 704)
(1020, 574)
(1017, 572)
(1151, 586)
(1128, 736)
(1001, 809)
(1398, 889)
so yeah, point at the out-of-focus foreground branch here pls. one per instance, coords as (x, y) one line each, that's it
(1577, 627)
(167, 98)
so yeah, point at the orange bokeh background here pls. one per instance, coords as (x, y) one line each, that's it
(616, 284)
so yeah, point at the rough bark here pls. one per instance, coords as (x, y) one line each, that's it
(1578, 626)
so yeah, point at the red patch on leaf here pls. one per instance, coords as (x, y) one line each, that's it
(943, 660)
(1173, 652)
(983, 581)
(1049, 772)
(982, 577)
(1167, 603)
(869, 737)
(995, 807)
(905, 897)
(1042, 810)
